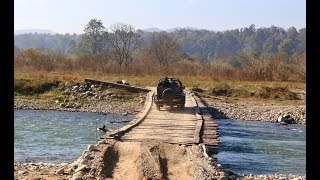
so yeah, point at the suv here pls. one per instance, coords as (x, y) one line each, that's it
(170, 91)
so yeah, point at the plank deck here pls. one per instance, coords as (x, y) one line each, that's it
(193, 125)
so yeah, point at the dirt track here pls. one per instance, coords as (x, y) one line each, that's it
(131, 160)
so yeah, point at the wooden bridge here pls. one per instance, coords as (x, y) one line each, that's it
(193, 125)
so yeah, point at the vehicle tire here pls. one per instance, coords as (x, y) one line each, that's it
(168, 94)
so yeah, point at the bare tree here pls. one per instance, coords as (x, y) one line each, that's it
(123, 41)
(164, 49)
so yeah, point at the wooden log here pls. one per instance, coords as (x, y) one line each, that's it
(129, 87)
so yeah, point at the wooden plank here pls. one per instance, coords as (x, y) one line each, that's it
(142, 116)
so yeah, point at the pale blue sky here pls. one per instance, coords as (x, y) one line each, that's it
(70, 16)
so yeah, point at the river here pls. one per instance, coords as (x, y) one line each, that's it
(248, 147)
(253, 147)
(56, 137)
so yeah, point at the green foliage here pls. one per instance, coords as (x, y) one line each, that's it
(201, 44)
(93, 40)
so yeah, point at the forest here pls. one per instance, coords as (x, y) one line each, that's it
(271, 54)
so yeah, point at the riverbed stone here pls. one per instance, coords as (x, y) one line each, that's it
(60, 171)
(22, 172)
(90, 148)
(81, 168)
(77, 176)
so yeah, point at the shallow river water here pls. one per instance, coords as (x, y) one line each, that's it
(252, 147)
(248, 147)
(55, 137)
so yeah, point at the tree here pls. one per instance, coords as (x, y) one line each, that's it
(93, 37)
(164, 49)
(123, 41)
(72, 46)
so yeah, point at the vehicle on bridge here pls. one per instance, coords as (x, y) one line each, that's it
(170, 92)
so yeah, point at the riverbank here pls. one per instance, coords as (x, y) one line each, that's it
(83, 97)
(129, 160)
(253, 110)
(135, 160)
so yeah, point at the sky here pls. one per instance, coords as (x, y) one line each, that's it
(71, 16)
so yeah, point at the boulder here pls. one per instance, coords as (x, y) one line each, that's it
(286, 119)
(289, 120)
(90, 148)
(60, 171)
(81, 168)
(287, 116)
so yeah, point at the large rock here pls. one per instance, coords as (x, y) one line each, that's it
(90, 148)
(81, 168)
(286, 119)
(60, 171)
(289, 120)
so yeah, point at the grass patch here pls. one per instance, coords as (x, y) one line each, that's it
(266, 92)
(202, 84)
(33, 87)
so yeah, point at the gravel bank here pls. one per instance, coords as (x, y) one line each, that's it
(270, 113)
(86, 97)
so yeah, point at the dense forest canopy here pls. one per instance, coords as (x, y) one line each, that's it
(201, 44)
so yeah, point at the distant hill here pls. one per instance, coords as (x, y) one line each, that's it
(152, 30)
(39, 31)
(168, 30)
(179, 28)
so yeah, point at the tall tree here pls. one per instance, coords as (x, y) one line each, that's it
(123, 41)
(164, 49)
(93, 37)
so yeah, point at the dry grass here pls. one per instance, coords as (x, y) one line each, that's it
(201, 82)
